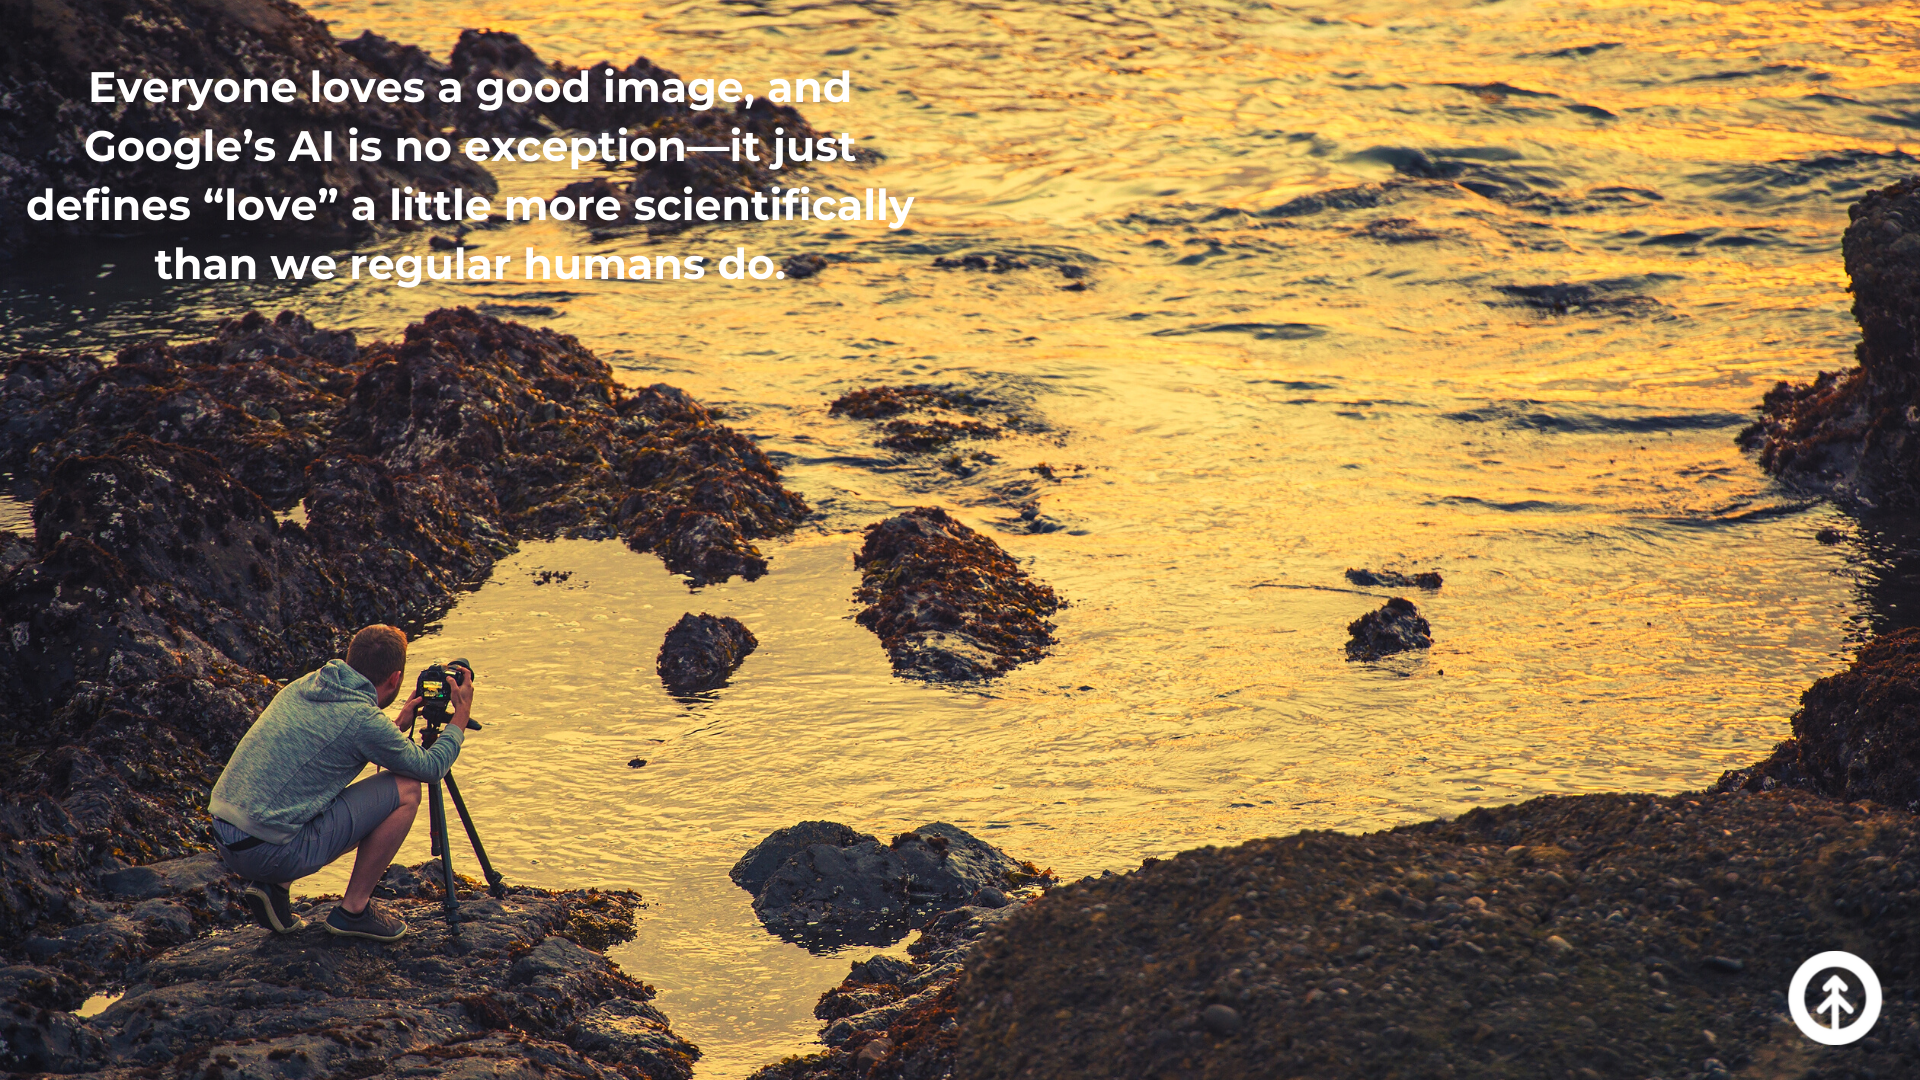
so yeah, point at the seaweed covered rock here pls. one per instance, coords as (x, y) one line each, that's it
(1856, 735)
(1856, 434)
(851, 888)
(702, 651)
(516, 994)
(51, 48)
(947, 602)
(1397, 626)
(163, 595)
(1599, 935)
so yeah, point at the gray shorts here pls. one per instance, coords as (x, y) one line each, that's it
(339, 829)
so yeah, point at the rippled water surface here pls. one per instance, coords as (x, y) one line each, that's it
(1482, 288)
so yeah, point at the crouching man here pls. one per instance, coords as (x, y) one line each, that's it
(286, 804)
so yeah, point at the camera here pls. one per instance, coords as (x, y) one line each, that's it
(434, 688)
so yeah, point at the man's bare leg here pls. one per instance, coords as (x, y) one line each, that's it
(380, 846)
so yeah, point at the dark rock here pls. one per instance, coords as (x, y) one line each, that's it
(164, 595)
(803, 266)
(512, 994)
(1220, 1019)
(866, 892)
(169, 878)
(1853, 736)
(1393, 579)
(947, 602)
(1396, 627)
(1852, 434)
(41, 988)
(758, 864)
(925, 436)
(51, 47)
(702, 651)
(881, 402)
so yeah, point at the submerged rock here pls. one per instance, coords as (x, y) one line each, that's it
(1856, 735)
(947, 603)
(514, 994)
(1856, 434)
(1394, 579)
(163, 595)
(835, 886)
(701, 651)
(1396, 627)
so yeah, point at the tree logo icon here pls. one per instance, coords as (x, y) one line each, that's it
(1851, 990)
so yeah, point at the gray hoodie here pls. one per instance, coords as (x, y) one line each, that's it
(308, 745)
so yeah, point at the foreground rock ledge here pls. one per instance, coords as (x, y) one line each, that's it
(515, 995)
(1603, 936)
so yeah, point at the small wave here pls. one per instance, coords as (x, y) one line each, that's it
(1516, 506)
(1292, 331)
(1581, 50)
(1531, 417)
(1742, 512)
(1840, 175)
(1769, 71)
(1563, 298)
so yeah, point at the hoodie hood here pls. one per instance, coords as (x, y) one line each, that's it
(335, 681)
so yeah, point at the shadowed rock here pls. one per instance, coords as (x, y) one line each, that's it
(758, 864)
(701, 651)
(1856, 434)
(1396, 627)
(862, 891)
(947, 602)
(1856, 735)
(162, 595)
(516, 996)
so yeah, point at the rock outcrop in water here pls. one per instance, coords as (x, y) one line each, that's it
(163, 595)
(523, 991)
(51, 48)
(1394, 579)
(1856, 434)
(821, 884)
(1856, 735)
(947, 602)
(1396, 627)
(702, 651)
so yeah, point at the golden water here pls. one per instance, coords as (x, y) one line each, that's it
(1257, 401)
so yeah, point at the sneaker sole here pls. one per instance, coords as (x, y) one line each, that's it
(336, 931)
(261, 908)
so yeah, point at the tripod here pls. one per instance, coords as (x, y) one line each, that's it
(437, 822)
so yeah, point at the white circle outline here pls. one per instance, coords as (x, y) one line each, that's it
(1797, 998)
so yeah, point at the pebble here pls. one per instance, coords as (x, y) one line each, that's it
(1559, 944)
(1221, 1019)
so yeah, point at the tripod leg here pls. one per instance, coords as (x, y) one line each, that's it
(495, 884)
(437, 819)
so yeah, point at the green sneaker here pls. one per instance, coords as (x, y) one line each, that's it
(375, 923)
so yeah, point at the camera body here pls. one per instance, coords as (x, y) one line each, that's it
(434, 688)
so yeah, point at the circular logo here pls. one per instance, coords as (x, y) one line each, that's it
(1842, 999)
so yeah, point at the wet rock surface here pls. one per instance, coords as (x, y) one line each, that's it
(1394, 579)
(892, 1018)
(1604, 935)
(51, 48)
(1397, 626)
(948, 603)
(516, 993)
(163, 595)
(831, 886)
(702, 651)
(1851, 434)
(1856, 735)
